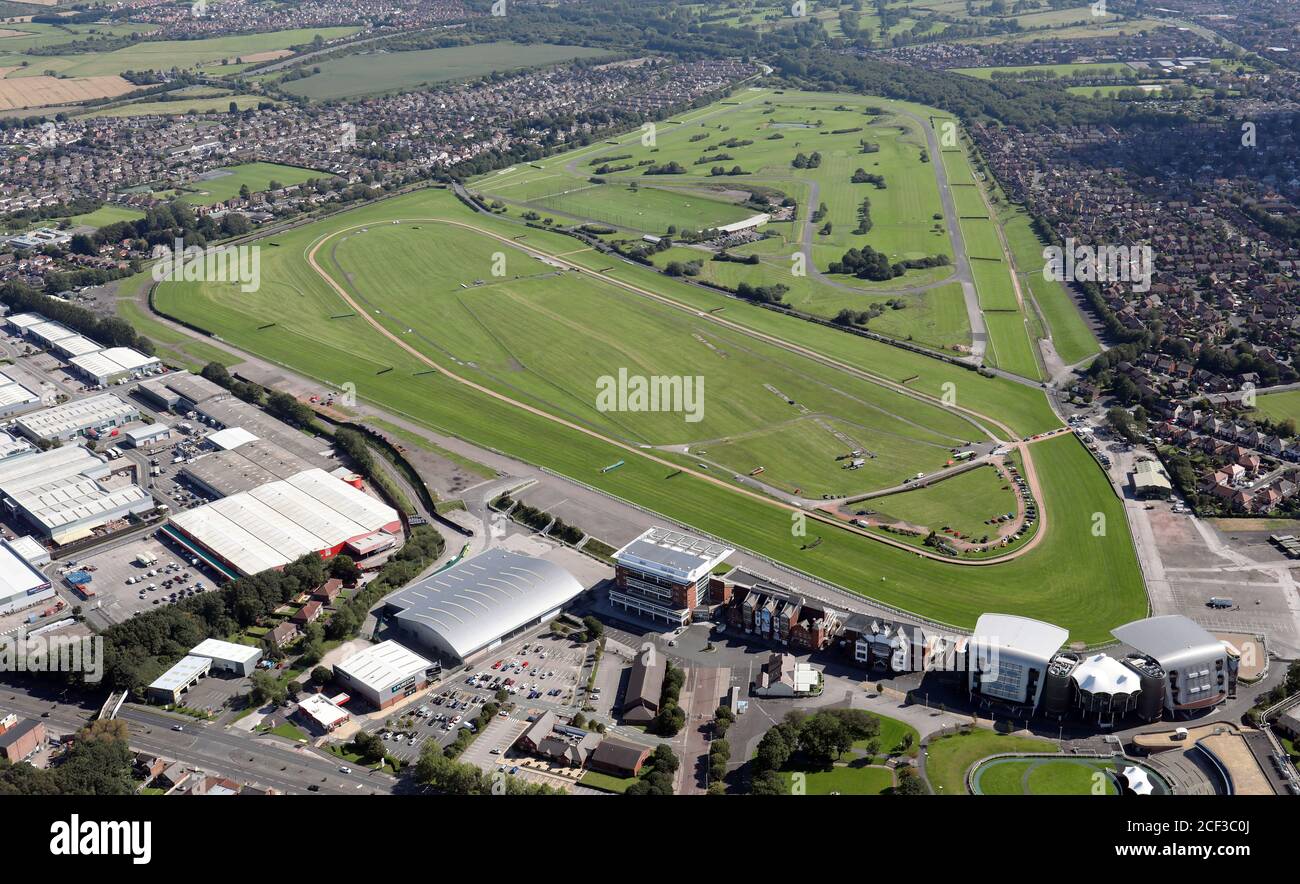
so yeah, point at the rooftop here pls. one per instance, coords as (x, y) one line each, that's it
(485, 597)
(181, 674)
(1168, 638)
(1032, 638)
(380, 666)
(673, 554)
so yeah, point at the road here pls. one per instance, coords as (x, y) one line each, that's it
(244, 757)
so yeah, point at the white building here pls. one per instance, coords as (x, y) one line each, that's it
(94, 414)
(21, 585)
(172, 684)
(147, 434)
(15, 398)
(228, 656)
(1007, 658)
(481, 602)
(116, 363)
(68, 493)
(321, 711)
(384, 674)
(1200, 670)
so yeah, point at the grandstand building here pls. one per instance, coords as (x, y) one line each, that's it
(663, 575)
(1008, 659)
(269, 526)
(1200, 671)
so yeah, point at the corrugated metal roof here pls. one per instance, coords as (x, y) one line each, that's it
(485, 597)
(383, 665)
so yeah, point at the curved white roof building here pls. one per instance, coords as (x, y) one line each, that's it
(1201, 672)
(1008, 657)
(481, 601)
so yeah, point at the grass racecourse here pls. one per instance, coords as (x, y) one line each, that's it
(430, 283)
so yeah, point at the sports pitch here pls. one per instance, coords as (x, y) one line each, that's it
(511, 363)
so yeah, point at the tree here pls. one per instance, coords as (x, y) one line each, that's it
(595, 629)
(267, 689)
(345, 568)
(774, 750)
(768, 782)
(321, 676)
(663, 759)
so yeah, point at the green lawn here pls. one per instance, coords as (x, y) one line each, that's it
(962, 502)
(949, 758)
(371, 73)
(1084, 582)
(227, 183)
(606, 783)
(1279, 406)
(762, 132)
(854, 778)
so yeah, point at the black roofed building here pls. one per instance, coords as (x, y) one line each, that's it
(644, 687)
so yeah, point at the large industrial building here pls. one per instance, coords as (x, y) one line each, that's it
(1008, 656)
(228, 656)
(234, 468)
(15, 397)
(103, 367)
(384, 674)
(273, 524)
(14, 446)
(21, 585)
(481, 602)
(62, 423)
(68, 493)
(663, 575)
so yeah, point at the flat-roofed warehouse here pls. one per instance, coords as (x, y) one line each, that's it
(481, 602)
(384, 674)
(113, 364)
(244, 467)
(68, 493)
(21, 585)
(169, 686)
(15, 397)
(228, 656)
(273, 524)
(71, 419)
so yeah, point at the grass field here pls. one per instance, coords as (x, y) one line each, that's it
(762, 132)
(1279, 406)
(962, 502)
(1092, 69)
(949, 758)
(1053, 776)
(151, 54)
(1071, 336)
(854, 778)
(106, 215)
(258, 176)
(203, 105)
(497, 334)
(371, 73)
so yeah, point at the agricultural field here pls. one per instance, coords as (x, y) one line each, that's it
(964, 502)
(474, 362)
(372, 73)
(1049, 71)
(149, 54)
(42, 91)
(762, 132)
(211, 104)
(257, 176)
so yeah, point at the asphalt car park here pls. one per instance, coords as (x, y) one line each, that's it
(123, 587)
